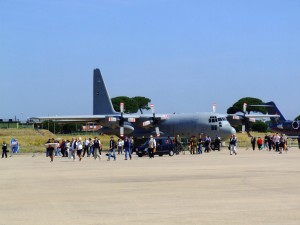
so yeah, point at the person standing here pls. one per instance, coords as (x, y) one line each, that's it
(91, 145)
(217, 143)
(63, 147)
(266, 141)
(67, 148)
(299, 141)
(4, 149)
(200, 144)
(193, 145)
(79, 147)
(86, 147)
(233, 142)
(178, 145)
(112, 149)
(281, 143)
(97, 146)
(151, 146)
(276, 140)
(72, 148)
(127, 147)
(259, 143)
(253, 142)
(207, 144)
(52, 144)
(47, 149)
(120, 146)
(270, 144)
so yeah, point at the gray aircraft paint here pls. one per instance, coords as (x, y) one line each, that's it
(184, 124)
(101, 100)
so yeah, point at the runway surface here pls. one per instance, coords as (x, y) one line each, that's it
(253, 187)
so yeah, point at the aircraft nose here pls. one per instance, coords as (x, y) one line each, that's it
(232, 131)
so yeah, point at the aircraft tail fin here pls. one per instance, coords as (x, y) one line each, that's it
(272, 109)
(101, 100)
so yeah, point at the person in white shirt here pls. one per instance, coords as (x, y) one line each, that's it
(79, 147)
(151, 146)
(86, 147)
(276, 140)
(120, 146)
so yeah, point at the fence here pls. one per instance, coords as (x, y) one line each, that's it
(13, 124)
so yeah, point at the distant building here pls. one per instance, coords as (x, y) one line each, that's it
(91, 127)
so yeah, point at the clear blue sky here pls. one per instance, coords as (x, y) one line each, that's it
(184, 55)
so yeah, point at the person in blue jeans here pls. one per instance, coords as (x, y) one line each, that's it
(200, 144)
(112, 149)
(128, 147)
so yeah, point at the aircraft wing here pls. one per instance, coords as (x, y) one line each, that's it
(91, 118)
(84, 118)
(237, 116)
(260, 116)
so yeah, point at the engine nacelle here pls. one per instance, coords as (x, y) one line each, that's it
(296, 125)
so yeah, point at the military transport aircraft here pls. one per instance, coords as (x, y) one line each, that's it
(288, 127)
(139, 125)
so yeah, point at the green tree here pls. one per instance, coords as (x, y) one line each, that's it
(142, 103)
(238, 106)
(58, 128)
(130, 105)
(260, 126)
(297, 118)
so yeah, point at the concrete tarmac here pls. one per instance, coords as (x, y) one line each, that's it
(252, 187)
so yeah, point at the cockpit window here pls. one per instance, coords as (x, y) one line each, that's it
(214, 119)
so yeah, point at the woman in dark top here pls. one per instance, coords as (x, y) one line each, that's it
(4, 149)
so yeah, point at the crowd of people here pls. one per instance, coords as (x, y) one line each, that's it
(78, 148)
(196, 145)
(277, 142)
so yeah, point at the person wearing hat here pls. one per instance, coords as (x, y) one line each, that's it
(112, 148)
(151, 146)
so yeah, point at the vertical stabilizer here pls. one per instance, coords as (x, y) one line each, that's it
(272, 109)
(101, 100)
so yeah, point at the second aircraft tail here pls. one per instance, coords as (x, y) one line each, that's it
(272, 109)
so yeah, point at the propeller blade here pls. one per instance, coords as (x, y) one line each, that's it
(152, 108)
(244, 107)
(214, 107)
(243, 128)
(121, 131)
(121, 107)
(157, 131)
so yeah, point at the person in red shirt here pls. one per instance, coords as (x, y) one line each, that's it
(259, 143)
